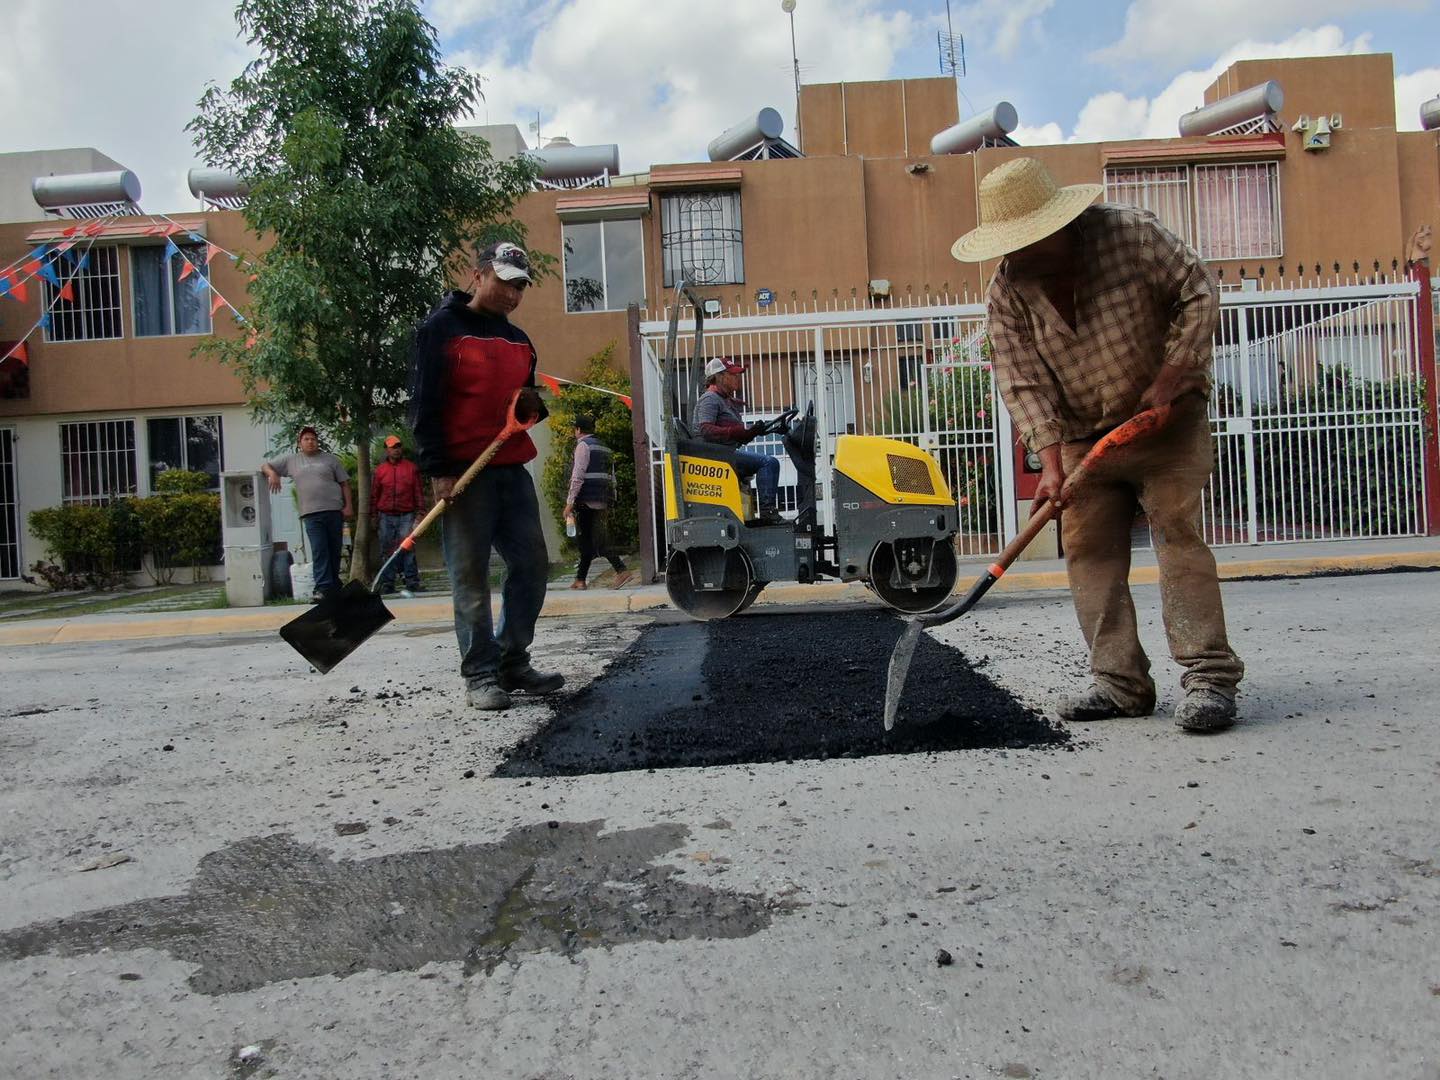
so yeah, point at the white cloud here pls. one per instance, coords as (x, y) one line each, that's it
(1177, 31)
(66, 83)
(1112, 115)
(662, 95)
(1004, 22)
(1043, 135)
(1411, 91)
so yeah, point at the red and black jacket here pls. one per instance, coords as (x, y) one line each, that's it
(464, 369)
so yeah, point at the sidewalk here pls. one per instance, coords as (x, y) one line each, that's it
(1279, 560)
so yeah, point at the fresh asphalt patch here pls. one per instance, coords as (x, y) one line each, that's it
(803, 684)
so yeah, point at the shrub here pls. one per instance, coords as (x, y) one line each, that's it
(182, 482)
(612, 426)
(95, 546)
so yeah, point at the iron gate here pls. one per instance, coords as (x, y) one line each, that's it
(1318, 410)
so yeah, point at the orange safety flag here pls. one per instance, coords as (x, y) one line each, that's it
(216, 303)
(67, 291)
(95, 228)
(550, 381)
(19, 290)
(628, 403)
(71, 231)
(210, 250)
(186, 270)
(32, 267)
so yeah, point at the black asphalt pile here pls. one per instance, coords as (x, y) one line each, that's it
(774, 687)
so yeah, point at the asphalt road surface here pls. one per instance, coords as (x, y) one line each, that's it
(214, 863)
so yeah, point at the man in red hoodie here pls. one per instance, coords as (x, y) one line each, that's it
(396, 496)
(469, 360)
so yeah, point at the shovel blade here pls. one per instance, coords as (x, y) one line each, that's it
(899, 668)
(336, 626)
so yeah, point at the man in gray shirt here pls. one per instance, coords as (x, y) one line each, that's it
(323, 488)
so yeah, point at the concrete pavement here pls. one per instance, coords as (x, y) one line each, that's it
(214, 863)
(1272, 561)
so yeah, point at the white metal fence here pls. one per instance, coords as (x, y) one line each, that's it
(1318, 410)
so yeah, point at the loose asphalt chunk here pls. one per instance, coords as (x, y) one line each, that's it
(774, 687)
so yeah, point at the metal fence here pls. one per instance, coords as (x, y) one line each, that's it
(1318, 410)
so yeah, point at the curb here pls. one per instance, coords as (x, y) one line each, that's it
(101, 628)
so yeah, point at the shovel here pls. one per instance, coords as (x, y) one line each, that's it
(1138, 426)
(342, 622)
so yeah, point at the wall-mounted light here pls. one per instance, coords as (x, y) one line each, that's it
(711, 308)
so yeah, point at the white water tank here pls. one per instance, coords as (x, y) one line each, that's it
(968, 135)
(1430, 114)
(560, 159)
(1251, 104)
(216, 184)
(765, 124)
(85, 189)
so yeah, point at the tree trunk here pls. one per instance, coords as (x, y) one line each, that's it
(363, 532)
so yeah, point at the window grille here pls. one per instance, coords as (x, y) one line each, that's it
(9, 508)
(94, 314)
(1237, 211)
(1164, 191)
(97, 461)
(701, 236)
(604, 265)
(163, 304)
(194, 443)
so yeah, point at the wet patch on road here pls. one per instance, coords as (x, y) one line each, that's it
(269, 909)
(774, 687)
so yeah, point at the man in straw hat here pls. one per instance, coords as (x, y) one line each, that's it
(1095, 313)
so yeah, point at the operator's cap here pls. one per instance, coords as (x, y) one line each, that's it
(393, 440)
(508, 260)
(722, 365)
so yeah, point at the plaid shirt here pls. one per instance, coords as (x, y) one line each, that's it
(1144, 298)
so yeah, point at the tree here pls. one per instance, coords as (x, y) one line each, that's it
(367, 198)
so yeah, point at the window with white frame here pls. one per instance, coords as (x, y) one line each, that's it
(193, 443)
(604, 264)
(1163, 190)
(97, 460)
(1237, 211)
(91, 310)
(701, 237)
(9, 508)
(164, 304)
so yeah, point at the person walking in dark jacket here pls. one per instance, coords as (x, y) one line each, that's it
(469, 360)
(396, 496)
(587, 505)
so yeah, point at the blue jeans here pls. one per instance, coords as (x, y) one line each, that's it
(765, 469)
(498, 510)
(325, 533)
(393, 529)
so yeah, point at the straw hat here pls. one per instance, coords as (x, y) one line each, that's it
(1020, 204)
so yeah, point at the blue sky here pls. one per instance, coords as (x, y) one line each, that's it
(663, 77)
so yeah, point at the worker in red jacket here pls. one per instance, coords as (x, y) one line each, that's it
(396, 496)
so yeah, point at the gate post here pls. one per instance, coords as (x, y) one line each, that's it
(640, 446)
(1419, 272)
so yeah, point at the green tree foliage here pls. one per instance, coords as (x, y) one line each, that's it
(95, 546)
(612, 425)
(343, 126)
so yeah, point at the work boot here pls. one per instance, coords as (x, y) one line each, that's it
(527, 680)
(1204, 710)
(1095, 704)
(487, 696)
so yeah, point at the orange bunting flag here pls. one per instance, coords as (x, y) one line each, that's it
(32, 267)
(552, 382)
(95, 228)
(71, 231)
(65, 245)
(67, 291)
(250, 342)
(172, 228)
(628, 403)
(253, 278)
(210, 250)
(20, 291)
(186, 270)
(216, 303)
(155, 230)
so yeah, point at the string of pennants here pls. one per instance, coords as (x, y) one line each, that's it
(37, 264)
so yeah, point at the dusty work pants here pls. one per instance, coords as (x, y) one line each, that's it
(393, 529)
(498, 511)
(1164, 475)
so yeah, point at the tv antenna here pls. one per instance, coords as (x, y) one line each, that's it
(951, 47)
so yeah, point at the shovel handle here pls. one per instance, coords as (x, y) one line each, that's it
(513, 426)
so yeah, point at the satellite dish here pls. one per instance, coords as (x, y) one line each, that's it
(787, 6)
